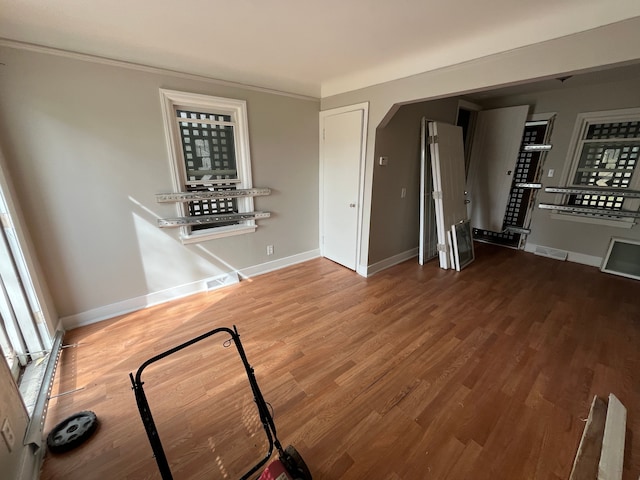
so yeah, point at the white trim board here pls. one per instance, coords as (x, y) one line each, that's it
(390, 262)
(138, 303)
(267, 267)
(574, 257)
(145, 68)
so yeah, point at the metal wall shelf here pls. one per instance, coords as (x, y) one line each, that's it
(207, 195)
(603, 191)
(516, 229)
(589, 210)
(210, 219)
(218, 172)
(537, 148)
(534, 186)
(614, 192)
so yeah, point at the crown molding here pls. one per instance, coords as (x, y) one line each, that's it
(85, 57)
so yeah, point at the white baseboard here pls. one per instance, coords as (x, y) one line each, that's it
(590, 260)
(391, 261)
(575, 257)
(278, 264)
(138, 303)
(132, 304)
(361, 270)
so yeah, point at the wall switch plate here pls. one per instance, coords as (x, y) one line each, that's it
(551, 172)
(383, 161)
(403, 192)
(7, 434)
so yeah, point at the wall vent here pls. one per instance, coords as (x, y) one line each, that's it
(223, 280)
(623, 258)
(551, 252)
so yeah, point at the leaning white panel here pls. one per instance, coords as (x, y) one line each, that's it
(623, 258)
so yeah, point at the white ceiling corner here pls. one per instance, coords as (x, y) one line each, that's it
(297, 46)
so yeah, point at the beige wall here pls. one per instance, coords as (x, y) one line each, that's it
(19, 461)
(567, 101)
(608, 45)
(84, 143)
(395, 221)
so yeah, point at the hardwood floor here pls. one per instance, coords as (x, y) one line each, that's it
(414, 373)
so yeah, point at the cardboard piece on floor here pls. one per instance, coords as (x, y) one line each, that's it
(585, 465)
(612, 454)
(601, 451)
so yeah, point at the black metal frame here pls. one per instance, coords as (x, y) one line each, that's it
(149, 425)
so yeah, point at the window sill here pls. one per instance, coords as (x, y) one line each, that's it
(220, 232)
(609, 222)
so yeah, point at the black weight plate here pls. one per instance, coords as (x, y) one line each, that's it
(72, 431)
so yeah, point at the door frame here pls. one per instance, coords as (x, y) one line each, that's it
(364, 107)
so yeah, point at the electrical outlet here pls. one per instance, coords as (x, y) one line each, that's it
(269, 249)
(7, 434)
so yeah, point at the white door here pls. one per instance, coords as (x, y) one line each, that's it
(342, 151)
(447, 161)
(494, 153)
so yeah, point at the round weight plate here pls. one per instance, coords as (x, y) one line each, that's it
(72, 431)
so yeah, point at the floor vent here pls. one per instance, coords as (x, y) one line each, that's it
(623, 258)
(551, 252)
(223, 280)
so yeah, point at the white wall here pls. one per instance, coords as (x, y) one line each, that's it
(85, 146)
(608, 45)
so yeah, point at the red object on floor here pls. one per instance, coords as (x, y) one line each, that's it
(275, 471)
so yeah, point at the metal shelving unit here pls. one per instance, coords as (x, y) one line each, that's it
(210, 195)
(614, 192)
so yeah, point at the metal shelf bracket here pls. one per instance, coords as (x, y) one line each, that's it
(208, 195)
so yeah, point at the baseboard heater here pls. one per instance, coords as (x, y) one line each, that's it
(34, 434)
(551, 252)
(223, 280)
(623, 258)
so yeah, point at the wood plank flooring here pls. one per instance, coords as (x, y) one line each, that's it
(414, 373)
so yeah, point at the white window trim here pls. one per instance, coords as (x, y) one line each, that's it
(573, 158)
(238, 111)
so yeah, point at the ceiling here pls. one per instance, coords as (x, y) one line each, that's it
(318, 48)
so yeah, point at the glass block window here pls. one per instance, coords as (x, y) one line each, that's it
(607, 156)
(210, 161)
(208, 146)
(210, 152)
